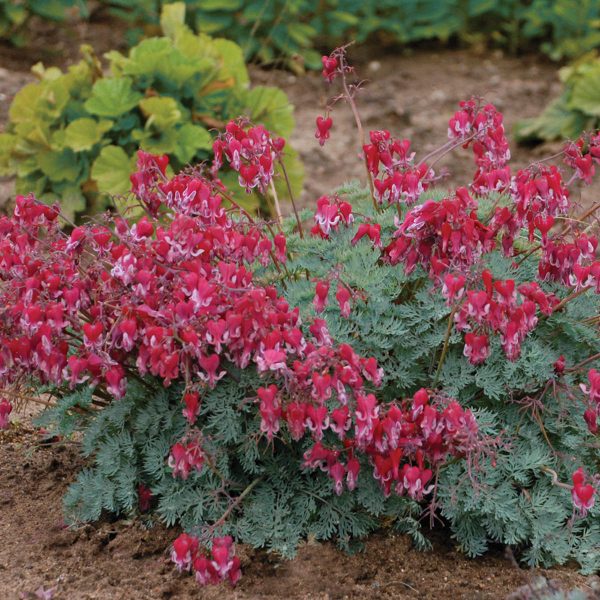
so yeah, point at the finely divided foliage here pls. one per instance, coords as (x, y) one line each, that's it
(418, 351)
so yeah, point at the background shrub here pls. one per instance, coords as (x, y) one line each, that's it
(274, 30)
(73, 136)
(15, 14)
(577, 109)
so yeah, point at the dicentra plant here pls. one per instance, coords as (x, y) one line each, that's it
(412, 351)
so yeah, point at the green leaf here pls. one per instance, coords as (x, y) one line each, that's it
(172, 18)
(144, 58)
(190, 139)
(112, 97)
(224, 5)
(84, 134)
(7, 144)
(271, 108)
(233, 63)
(586, 92)
(111, 170)
(59, 166)
(557, 121)
(161, 112)
(71, 199)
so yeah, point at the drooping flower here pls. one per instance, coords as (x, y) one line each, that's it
(321, 293)
(184, 551)
(5, 410)
(582, 493)
(343, 297)
(323, 126)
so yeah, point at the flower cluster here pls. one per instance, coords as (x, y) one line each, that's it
(482, 129)
(221, 564)
(397, 178)
(398, 438)
(150, 170)
(187, 455)
(571, 263)
(496, 309)
(168, 300)
(329, 214)
(441, 236)
(335, 64)
(579, 160)
(251, 151)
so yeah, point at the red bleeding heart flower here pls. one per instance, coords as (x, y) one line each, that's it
(144, 497)
(330, 67)
(184, 549)
(323, 126)
(321, 293)
(5, 410)
(343, 297)
(582, 493)
(477, 348)
(192, 406)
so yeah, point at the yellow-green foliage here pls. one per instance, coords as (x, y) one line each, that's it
(73, 135)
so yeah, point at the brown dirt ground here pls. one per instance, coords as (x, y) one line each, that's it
(413, 94)
(126, 560)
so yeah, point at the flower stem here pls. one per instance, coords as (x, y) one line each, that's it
(446, 344)
(237, 502)
(361, 132)
(291, 194)
(570, 297)
(583, 363)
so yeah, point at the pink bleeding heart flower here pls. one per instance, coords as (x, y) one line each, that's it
(582, 493)
(270, 410)
(477, 348)
(591, 419)
(330, 67)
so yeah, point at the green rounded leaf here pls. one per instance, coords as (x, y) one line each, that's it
(161, 112)
(23, 107)
(172, 18)
(112, 97)
(191, 139)
(84, 134)
(59, 166)
(7, 144)
(111, 170)
(586, 92)
(270, 107)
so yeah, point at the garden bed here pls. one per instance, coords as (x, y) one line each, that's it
(412, 94)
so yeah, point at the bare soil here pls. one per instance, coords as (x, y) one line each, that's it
(413, 94)
(128, 559)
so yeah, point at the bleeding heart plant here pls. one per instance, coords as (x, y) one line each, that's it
(245, 403)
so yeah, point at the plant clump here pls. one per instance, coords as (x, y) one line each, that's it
(417, 351)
